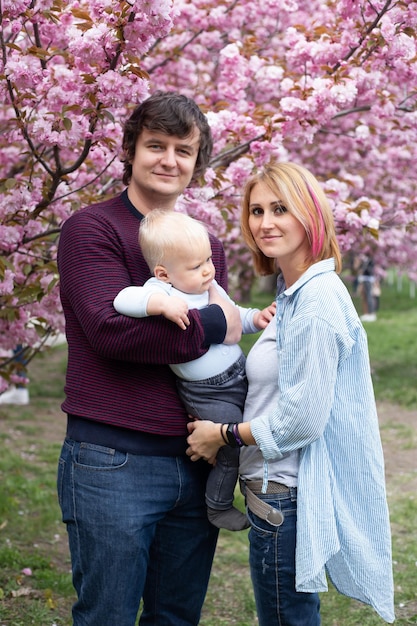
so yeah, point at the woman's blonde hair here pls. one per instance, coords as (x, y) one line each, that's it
(304, 198)
(166, 234)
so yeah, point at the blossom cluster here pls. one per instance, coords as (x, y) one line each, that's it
(330, 84)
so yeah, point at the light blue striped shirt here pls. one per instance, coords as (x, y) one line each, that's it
(326, 407)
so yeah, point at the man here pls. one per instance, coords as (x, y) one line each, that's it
(132, 501)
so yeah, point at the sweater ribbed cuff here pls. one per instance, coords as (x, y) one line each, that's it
(214, 324)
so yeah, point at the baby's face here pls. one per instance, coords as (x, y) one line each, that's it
(193, 271)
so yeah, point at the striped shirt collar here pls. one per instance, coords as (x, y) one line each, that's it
(321, 267)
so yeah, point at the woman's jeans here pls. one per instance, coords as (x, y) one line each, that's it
(272, 565)
(137, 528)
(219, 399)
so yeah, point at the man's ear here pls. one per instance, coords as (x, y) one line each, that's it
(161, 273)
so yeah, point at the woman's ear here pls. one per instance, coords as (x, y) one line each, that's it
(161, 273)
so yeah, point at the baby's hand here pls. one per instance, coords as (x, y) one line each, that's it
(171, 307)
(176, 310)
(262, 319)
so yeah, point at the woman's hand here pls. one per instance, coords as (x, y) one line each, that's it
(204, 440)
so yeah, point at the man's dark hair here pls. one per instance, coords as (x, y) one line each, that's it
(171, 113)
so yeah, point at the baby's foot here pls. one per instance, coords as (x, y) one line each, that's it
(231, 519)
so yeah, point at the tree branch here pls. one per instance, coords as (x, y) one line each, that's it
(368, 31)
(225, 158)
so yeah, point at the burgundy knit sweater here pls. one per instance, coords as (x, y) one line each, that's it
(117, 366)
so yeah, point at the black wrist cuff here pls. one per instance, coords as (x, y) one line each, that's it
(214, 324)
(231, 436)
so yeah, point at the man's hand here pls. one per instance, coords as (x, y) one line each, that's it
(232, 315)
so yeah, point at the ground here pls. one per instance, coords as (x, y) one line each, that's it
(44, 421)
(399, 437)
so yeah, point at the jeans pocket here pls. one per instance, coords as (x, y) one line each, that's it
(97, 457)
(260, 526)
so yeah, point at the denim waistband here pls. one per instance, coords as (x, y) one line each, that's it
(238, 367)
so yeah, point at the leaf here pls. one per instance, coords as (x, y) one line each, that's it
(10, 183)
(67, 123)
(50, 603)
(22, 591)
(81, 15)
(38, 52)
(374, 232)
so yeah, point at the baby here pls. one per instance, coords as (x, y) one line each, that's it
(178, 252)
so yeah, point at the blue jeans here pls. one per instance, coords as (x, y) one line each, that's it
(137, 528)
(219, 399)
(272, 566)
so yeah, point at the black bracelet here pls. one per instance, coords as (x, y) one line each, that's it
(233, 438)
(222, 434)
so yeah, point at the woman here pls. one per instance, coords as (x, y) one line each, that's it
(312, 467)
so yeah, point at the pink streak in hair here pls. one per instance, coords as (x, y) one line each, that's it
(317, 237)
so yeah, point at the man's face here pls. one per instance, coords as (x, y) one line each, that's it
(162, 168)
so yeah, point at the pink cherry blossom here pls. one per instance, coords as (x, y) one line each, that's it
(331, 86)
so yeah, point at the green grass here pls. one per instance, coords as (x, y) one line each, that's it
(393, 345)
(32, 535)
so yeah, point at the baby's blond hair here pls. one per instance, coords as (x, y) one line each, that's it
(165, 234)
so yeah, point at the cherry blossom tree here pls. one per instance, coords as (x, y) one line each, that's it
(329, 84)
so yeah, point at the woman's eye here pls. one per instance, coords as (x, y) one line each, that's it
(280, 208)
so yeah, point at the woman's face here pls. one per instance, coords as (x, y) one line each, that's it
(276, 232)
